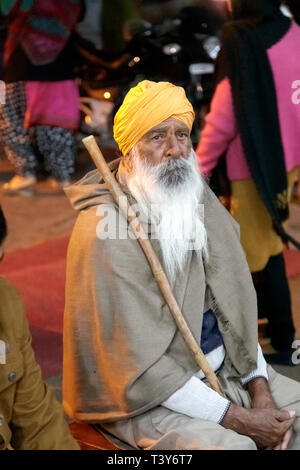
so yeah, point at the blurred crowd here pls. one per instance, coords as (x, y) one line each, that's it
(55, 55)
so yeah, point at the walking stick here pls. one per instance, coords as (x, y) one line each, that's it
(161, 279)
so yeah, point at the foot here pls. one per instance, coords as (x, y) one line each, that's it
(20, 184)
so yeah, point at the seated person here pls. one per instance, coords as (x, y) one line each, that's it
(126, 366)
(30, 417)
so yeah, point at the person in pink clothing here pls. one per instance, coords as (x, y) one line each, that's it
(40, 112)
(255, 122)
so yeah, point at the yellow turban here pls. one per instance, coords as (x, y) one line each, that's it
(145, 106)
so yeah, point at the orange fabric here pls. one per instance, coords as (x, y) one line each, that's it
(88, 438)
(145, 106)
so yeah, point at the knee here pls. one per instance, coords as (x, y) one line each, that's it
(243, 443)
(237, 443)
(296, 425)
(228, 440)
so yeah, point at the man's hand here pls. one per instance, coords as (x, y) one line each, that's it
(261, 397)
(267, 427)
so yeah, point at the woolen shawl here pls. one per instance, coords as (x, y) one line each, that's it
(123, 354)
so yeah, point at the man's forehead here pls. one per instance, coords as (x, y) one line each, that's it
(166, 124)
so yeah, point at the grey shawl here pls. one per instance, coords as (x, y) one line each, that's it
(122, 352)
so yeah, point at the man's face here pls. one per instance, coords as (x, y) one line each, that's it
(169, 139)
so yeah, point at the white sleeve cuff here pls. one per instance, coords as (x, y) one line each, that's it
(260, 371)
(197, 400)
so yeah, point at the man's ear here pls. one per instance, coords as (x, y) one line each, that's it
(127, 161)
(1, 252)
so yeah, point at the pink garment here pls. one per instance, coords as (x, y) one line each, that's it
(220, 132)
(52, 104)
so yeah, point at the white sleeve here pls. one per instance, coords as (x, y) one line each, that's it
(260, 371)
(197, 400)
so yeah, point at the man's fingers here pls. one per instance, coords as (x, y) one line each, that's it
(284, 415)
(286, 439)
(285, 426)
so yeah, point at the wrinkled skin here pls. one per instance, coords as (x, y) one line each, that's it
(170, 138)
(269, 427)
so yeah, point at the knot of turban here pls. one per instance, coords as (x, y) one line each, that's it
(145, 106)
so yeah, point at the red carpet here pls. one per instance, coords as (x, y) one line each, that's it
(39, 274)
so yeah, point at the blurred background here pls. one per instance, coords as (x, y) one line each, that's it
(111, 45)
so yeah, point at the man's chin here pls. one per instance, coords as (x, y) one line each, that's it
(174, 183)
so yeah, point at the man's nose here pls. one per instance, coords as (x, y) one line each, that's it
(173, 147)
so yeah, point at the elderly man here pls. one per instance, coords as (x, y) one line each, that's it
(126, 367)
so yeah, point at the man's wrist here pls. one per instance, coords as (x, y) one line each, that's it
(235, 418)
(260, 393)
(257, 386)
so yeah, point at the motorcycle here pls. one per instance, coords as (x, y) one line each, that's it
(182, 50)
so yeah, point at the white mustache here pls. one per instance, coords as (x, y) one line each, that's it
(174, 172)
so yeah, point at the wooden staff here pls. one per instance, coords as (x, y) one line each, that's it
(161, 279)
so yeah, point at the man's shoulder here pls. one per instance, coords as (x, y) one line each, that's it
(90, 216)
(215, 211)
(100, 223)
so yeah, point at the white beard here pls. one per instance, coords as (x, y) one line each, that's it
(169, 194)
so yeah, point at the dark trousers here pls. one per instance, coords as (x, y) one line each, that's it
(274, 302)
(55, 144)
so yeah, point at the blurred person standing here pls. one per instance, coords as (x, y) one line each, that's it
(254, 121)
(105, 23)
(41, 92)
(294, 6)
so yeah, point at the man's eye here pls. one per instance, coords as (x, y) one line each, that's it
(157, 137)
(182, 135)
